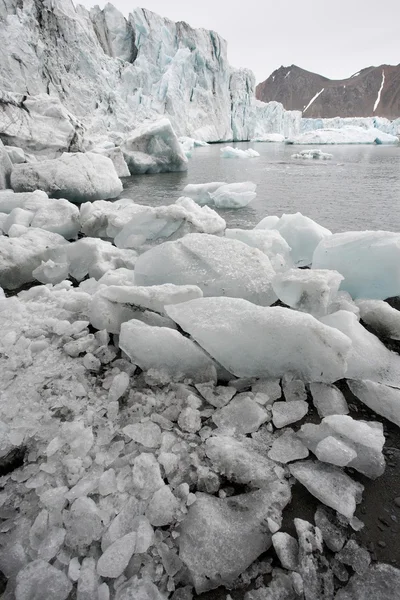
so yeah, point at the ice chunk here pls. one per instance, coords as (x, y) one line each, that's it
(146, 475)
(189, 419)
(217, 396)
(221, 538)
(368, 261)
(267, 222)
(138, 589)
(219, 266)
(329, 484)
(83, 522)
(285, 413)
(333, 533)
(313, 154)
(252, 341)
(358, 558)
(201, 192)
(19, 256)
(307, 290)
(39, 578)
(234, 195)
(125, 522)
(345, 135)
(117, 556)
(287, 550)
(379, 582)
(343, 441)
(240, 460)
(118, 387)
(88, 580)
(303, 236)
(379, 315)
(6, 167)
(162, 507)
(107, 483)
(229, 152)
(269, 387)
(293, 389)
(328, 400)
(380, 398)
(77, 177)
(287, 448)
(18, 216)
(368, 357)
(94, 257)
(162, 348)
(268, 241)
(154, 148)
(147, 434)
(117, 158)
(241, 414)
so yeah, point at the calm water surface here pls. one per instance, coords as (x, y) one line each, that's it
(358, 189)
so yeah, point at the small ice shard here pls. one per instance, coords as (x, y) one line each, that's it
(328, 400)
(242, 415)
(147, 434)
(287, 448)
(83, 523)
(221, 538)
(329, 484)
(146, 475)
(38, 578)
(372, 272)
(138, 589)
(107, 483)
(88, 580)
(162, 507)
(352, 554)
(217, 396)
(280, 588)
(379, 582)
(308, 290)
(379, 315)
(287, 549)
(333, 533)
(285, 413)
(334, 451)
(317, 580)
(240, 460)
(118, 387)
(113, 562)
(380, 398)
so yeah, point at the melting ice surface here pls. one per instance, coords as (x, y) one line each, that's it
(358, 189)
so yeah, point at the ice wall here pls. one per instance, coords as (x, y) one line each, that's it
(392, 127)
(110, 74)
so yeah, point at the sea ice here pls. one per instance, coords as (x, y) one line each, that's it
(380, 398)
(308, 290)
(368, 261)
(268, 241)
(221, 538)
(219, 266)
(345, 135)
(79, 177)
(165, 349)
(329, 484)
(229, 152)
(154, 148)
(253, 341)
(379, 315)
(313, 154)
(234, 195)
(328, 400)
(368, 357)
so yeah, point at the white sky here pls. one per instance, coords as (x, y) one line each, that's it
(335, 39)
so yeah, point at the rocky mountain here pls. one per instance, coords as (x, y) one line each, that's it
(374, 91)
(68, 73)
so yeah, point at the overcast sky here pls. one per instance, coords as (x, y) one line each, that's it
(335, 39)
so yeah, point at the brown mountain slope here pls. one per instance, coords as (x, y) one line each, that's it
(318, 96)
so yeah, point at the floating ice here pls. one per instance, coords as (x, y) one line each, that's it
(268, 241)
(313, 154)
(368, 261)
(154, 148)
(380, 398)
(201, 193)
(229, 152)
(345, 135)
(308, 290)
(162, 348)
(368, 357)
(219, 266)
(221, 538)
(329, 484)
(77, 177)
(379, 315)
(234, 195)
(328, 400)
(252, 341)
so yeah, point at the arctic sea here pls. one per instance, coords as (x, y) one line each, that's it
(358, 189)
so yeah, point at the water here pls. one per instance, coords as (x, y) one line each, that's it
(358, 189)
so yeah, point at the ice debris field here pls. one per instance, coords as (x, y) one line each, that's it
(167, 382)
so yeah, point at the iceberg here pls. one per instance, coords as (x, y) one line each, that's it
(154, 148)
(313, 154)
(368, 261)
(253, 341)
(230, 152)
(77, 177)
(345, 135)
(218, 265)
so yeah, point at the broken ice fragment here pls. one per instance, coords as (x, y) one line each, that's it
(115, 559)
(285, 413)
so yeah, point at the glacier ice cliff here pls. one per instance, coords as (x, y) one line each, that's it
(70, 76)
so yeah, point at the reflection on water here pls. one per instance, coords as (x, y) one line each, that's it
(358, 189)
